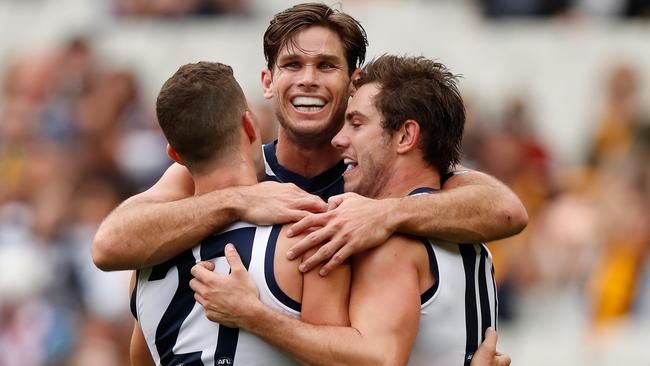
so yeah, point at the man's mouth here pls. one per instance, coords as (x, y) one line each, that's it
(308, 104)
(351, 164)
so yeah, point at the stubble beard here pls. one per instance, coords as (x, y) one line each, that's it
(374, 176)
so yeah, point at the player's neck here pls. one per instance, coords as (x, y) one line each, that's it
(236, 172)
(306, 161)
(408, 176)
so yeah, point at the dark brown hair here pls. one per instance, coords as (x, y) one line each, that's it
(286, 24)
(425, 91)
(199, 110)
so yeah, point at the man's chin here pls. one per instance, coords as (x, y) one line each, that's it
(311, 138)
(349, 187)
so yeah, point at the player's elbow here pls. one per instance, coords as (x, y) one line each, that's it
(104, 252)
(514, 217)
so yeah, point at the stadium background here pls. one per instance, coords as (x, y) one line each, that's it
(557, 95)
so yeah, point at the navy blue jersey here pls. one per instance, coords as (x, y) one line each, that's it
(324, 185)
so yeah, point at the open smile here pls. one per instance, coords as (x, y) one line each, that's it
(308, 104)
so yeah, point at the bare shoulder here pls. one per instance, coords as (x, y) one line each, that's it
(398, 249)
(286, 272)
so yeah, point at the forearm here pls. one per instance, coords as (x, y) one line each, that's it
(464, 214)
(143, 233)
(313, 344)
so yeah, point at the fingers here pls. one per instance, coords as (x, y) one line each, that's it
(233, 258)
(307, 223)
(201, 273)
(200, 299)
(344, 253)
(503, 360)
(207, 265)
(294, 216)
(303, 200)
(314, 238)
(324, 253)
(334, 202)
(198, 287)
(490, 341)
(313, 204)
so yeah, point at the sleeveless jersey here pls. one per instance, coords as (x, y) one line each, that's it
(174, 324)
(459, 307)
(324, 185)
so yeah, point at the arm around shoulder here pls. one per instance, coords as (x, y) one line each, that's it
(159, 223)
(495, 199)
(472, 207)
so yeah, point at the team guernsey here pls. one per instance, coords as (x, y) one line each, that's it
(174, 324)
(324, 185)
(460, 306)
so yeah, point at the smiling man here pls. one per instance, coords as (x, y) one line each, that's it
(416, 301)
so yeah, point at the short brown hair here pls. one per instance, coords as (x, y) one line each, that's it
(199, 110)
(425, 91)
(284, 26)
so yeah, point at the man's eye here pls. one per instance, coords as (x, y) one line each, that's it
(326, 66)
(291, 65)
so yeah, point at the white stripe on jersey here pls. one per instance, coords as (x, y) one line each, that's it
(442, 334)
(267, 167)
(478, 295)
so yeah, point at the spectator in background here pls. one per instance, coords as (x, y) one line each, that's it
(617, 161)
(67, 127)
(514, 155)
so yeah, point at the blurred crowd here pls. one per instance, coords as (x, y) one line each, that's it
(589, 228)
(77, 137)
(75, 140)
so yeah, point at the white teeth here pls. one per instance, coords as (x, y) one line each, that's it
(351, 164)
(308, 109)
(309, 102)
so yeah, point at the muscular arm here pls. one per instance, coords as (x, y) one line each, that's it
(472, 207)
(161, 222)
(384, 313)
(325, 300)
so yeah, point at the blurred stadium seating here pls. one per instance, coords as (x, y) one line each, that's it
(558, 102)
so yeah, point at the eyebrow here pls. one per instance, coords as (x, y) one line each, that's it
(350, 115)
(321, 56)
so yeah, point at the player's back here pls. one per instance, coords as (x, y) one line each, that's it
(174, 324)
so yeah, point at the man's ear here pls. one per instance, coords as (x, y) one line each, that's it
(174, 155)
(249, 126)
(408, 136)
(355, 76)
(267, 83)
